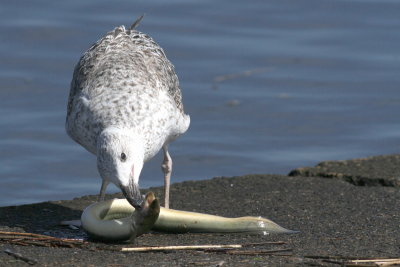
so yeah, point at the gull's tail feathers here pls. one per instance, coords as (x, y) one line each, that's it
(136, 23)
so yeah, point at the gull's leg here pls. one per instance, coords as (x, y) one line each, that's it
(167, 169)
(103, 188)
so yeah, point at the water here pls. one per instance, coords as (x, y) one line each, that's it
(322, 83)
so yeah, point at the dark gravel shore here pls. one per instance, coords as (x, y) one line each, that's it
(335, 218)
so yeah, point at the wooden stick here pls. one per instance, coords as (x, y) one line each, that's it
(264, 243)
(318, 257)
(376, 260)
(192, 247)
(201, 247)
(356, 261)
(256, 252)
(373, 262)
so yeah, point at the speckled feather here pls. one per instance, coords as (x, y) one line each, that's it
(125, 81)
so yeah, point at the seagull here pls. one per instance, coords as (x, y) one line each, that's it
(125, 104)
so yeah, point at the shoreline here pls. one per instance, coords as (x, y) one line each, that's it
(335, 217)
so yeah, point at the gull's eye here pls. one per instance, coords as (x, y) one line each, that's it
(123, 156)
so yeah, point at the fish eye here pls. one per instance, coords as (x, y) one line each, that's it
(123, 157)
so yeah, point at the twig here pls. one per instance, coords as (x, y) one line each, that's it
(22, 234)
(320, 257)
(193, 247)
(356, 261)
(264, 243)
(211, 248)
(26, 239)
(257, 252)
(19, 256)
(376, 260)
(373, 262)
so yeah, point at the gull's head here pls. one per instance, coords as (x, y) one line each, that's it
(120, 161)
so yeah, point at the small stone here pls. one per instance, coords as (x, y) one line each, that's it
(73, 227)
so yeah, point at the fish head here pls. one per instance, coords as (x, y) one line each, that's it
(143, 220)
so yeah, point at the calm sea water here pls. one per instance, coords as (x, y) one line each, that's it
(270, 86)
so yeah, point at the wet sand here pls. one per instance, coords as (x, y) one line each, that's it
(334, 217)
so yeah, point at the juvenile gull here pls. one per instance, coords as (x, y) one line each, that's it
(125, 104)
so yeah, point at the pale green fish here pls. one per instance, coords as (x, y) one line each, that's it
(117, 220)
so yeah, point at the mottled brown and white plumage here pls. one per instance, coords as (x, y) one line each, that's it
(125, 104)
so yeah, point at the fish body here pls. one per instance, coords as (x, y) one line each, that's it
(112, 220)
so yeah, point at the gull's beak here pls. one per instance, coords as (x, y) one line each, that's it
(132, 194)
